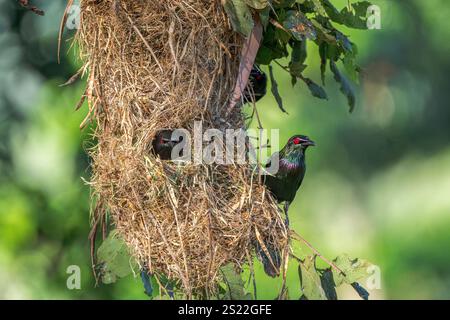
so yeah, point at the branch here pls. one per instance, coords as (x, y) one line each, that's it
(296, 236)
(25, 4)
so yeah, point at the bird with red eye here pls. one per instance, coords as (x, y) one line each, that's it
(296, 140)
(283, 185)
(163, 144)
(257, 85)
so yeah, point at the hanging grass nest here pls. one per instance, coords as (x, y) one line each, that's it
(165, 64)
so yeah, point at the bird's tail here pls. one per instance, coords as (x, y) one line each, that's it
(270, 258)
(148, 288)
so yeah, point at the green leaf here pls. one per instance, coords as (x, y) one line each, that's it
(354, 269)
(283, 295)
(264, 55)
(328, 285)
(350, 67)
(355, 16)
(323, 33)
(293, 81)
(333, 52)
(346, 87)
(310, 281)
(361, 291)
(300, 26)
(257, 4)
(274, 90)
(323, 47)
(319, 8)
(343, 41)
(316, 90)
(327, 33)
(264, 15)
(271, 48)
(282, 36)
(281, 4)
(298, 57)
(240, 16)
(235, 286)
(114, 259)
(331, 11)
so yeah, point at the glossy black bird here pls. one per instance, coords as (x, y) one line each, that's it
(284, 183)
(163, 143)
(257, 85)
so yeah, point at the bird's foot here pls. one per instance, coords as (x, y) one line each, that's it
(286, 222)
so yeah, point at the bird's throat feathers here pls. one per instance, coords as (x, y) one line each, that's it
(291, 160)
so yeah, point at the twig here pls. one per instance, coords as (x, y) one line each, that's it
(280, 65)
(296, 236)
(174, 204)
(301, 77)
(61, 27)
(172, 47)
(161, 286)
(277, 25)
(25, 4)
(285, 269)
(97, 216)
(211, 249)
(260, 126)
(295, 257)
(265, 250)
(73, 78)
(144, 41)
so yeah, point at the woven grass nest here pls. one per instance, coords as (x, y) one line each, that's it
(164, 64)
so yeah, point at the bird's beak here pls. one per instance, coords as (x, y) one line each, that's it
(309, 143)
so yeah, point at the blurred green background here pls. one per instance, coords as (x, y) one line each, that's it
(378, 183)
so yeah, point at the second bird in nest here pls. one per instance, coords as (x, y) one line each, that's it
(163, 144)
(257, 85)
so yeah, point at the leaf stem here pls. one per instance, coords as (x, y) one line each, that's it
(309, 245)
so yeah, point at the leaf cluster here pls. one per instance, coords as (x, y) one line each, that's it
(291, 25)
(114, 262)
(321, 284)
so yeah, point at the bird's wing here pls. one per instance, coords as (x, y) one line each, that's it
(268, 165)
(300, 179)
(269, 162)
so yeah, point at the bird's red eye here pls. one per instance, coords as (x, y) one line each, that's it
(297, 140)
